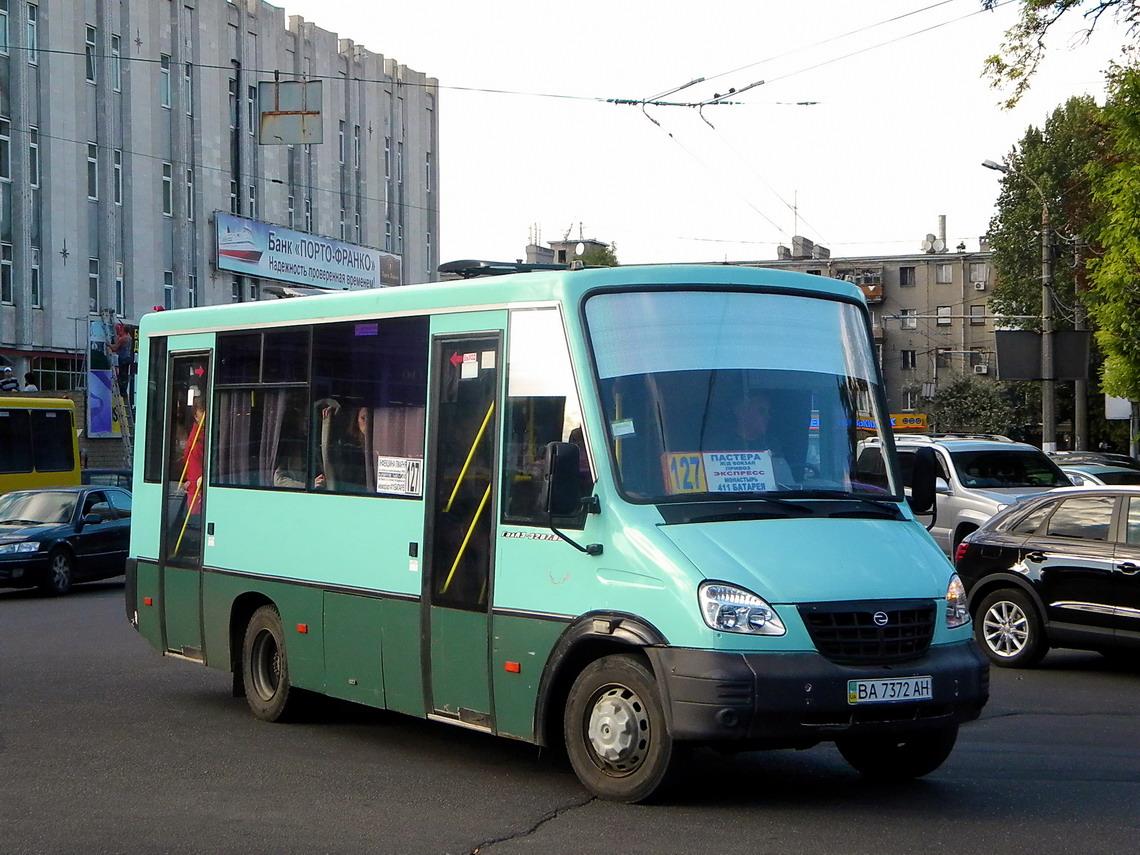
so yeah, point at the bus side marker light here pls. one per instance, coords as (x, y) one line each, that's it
(302, 628)
(148, 601)
(512, 667)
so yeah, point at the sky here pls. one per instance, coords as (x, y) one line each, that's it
(897, 119)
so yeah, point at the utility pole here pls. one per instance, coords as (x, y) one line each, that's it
(1048, 377)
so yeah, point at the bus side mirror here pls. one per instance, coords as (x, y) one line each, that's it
(922, 481)
(560, 497)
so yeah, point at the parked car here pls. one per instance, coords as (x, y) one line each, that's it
(55, 536)
(977, 477)
(1061, 570)
(1096, 474)
(107, 477)
(1102, 458)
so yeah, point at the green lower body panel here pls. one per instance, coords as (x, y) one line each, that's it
(525, 642)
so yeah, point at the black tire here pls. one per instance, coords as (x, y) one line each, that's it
(265, 667)
(898, 757)
(1009, 629)
(615, 731)
(60, 573)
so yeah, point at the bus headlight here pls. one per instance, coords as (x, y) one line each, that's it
(957, 613)
(22, 546)
(727, 608)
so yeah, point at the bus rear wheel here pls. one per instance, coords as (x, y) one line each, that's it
(615, 731)
(265, 667)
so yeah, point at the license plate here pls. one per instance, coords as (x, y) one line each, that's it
(889, 691)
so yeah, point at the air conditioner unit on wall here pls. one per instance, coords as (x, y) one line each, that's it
(981, 369)
(979, 286)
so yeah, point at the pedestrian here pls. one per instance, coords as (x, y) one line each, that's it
(8, 381)
(30, 383)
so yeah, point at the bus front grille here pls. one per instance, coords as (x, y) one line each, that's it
(870, 632)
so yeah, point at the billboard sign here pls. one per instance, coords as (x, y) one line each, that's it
(254, 248)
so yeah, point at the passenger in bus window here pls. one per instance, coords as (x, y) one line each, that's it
(30, 383)
(344, 435)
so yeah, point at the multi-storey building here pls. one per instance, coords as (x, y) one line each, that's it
(124, 127)
(929, 311)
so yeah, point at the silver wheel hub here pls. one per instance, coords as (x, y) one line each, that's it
(618, 728)
(1006, 629)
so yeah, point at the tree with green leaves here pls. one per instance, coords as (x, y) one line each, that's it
(1049, 167)
(1114, 302)
(600, 256)
(1023, 48)
(967, 404)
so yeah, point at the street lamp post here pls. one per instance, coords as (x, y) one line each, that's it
(1048, 377)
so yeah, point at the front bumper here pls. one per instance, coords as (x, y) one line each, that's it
(799, 699)
(18, 571)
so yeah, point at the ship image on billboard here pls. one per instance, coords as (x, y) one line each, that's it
(266, 251)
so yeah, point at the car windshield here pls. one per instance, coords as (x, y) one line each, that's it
(1119, 476)
(711, 395)
(46, 506)
(1013, 467)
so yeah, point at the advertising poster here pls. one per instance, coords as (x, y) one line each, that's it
(101, 421)
(254, 248)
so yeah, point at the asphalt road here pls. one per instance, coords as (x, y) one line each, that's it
(107, 747)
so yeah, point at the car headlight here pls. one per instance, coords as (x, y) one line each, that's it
(727, 608)
(21, 546)
(957, 613)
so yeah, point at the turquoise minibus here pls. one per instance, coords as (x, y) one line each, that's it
(572, 507)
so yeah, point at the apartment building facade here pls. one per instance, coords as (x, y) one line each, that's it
(125, 125)
(929, 310)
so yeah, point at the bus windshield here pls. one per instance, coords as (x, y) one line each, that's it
(713, 395)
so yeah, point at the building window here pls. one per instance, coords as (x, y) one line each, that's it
(93, 285)
(168, 189)
(252, 195)
(34, 156)
(388, 236)
(235, 290)
(5, 150)
(233, 104)
(116, 63)
(356, 146)
(4, 26)
(92, 171)
(944, 316)
(235, 199)
(910, 399)
(190, 194)
(340, 143)
(343, 226)
(387, 157)
(979, 271)
(977, 315)
(6, 295)
(909, 319)
(356, 223)
(89, 52)
(907, 277)
(37, 290)
(192, 290)
(120, 289)
(308, 215)
(251, 108)
(292, 214)
(188, 87)
(118, 176)
(943, 274)
(942, 357)
(164, 81)
(399, 163)
(427, 172)
(33, 34)
(908, 360)
(168, 289)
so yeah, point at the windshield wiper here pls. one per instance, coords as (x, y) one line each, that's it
(21, 522)
(889, 507)
(741, 509)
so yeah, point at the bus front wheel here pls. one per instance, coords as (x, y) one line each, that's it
(615, 731)
(265, 667)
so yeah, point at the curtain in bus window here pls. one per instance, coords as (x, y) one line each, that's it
(235, 416)
(15, 441)
(262, 438)
(53, 447)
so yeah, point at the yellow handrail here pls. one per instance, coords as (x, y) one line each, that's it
(470, 455)
(466, 539)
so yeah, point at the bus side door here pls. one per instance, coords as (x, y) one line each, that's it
(461, 512)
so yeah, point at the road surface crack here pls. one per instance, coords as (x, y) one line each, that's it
(483, 847)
